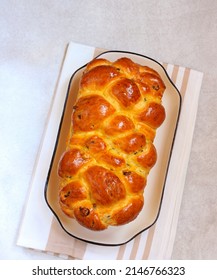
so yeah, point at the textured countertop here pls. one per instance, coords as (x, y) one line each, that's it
(33, 38)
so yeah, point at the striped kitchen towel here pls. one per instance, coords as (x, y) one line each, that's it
(39, 228)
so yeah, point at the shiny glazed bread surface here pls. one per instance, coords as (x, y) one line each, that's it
(110, 149)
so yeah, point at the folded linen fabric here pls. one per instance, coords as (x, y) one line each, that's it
(39, 228)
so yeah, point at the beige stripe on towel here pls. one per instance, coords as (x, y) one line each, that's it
(61, 242)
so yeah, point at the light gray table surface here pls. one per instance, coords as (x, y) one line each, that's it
(33, 38)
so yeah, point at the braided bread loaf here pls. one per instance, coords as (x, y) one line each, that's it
(110, 149)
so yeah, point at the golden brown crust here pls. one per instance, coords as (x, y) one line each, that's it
(153, 115)
(105, 187)
(131, 143)
(89, 110)
(128, 212)
(87, 217)
(118, 125)
(126, 92)
(110, 152)
(135, 182)
(71, 161)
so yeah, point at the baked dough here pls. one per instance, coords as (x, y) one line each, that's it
(110, 150)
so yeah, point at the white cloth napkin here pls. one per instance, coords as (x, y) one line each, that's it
(40, 230)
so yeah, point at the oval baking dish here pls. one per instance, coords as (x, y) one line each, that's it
(154, 190)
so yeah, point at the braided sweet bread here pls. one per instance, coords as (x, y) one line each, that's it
(110, 149)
